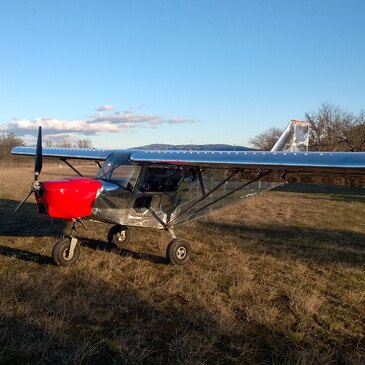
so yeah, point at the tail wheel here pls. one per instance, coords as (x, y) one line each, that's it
(178, 251)
(119, 236)
(61, 252)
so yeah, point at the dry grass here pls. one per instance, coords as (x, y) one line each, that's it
(275, 279)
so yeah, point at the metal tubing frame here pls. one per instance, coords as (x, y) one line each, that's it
(258, 177)
(233, 191)
(234, 173)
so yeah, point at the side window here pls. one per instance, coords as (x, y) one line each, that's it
(125, 172)
(125, 175)
(162, 179)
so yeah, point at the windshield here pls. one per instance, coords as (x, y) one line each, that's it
(117, 169)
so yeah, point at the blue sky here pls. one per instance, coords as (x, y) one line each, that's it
(129, 73)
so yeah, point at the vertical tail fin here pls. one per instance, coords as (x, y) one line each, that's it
(294, 138)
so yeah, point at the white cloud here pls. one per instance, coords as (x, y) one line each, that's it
(177, 120)
(92, 125)
(105, 108)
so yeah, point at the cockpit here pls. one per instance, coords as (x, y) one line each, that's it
(119, 170)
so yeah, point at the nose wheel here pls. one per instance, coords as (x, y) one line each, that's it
(66, 251)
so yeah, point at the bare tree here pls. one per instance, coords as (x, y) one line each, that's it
(7, 142)
(84, 143)
(355, 137)
(64, 144)
(48, 143)
(81, 143)
(266, 140)
(334, 129)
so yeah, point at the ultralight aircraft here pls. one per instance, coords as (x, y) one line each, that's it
(165, 189)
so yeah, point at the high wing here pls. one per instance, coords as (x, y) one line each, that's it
(319, 162)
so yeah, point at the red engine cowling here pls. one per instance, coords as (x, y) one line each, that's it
(68, 198)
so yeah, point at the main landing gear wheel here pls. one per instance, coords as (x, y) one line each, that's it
(61, 252)
(178, 251)
(119, 236)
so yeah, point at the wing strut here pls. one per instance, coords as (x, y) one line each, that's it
(71, 167)
(185, 214)
(201, 182)
(232, 174)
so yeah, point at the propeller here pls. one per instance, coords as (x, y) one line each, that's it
(37, 169)
(38, 156)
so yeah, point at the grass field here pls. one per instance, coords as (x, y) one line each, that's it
(278, 278)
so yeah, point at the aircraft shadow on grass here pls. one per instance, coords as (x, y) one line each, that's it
(104, 246)
(25, 255)
(27, 223)
(317, 245)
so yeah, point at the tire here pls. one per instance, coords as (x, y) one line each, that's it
(119, 236)
(60, 252)
(178, 252)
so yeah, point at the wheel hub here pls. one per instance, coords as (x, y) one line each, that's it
(66, 254)
(120, 236)
(181, 253)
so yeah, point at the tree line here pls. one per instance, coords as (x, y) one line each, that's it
(332, 129)
(10, 140)
(81, 143)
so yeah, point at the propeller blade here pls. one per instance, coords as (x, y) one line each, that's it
(23, 201)
(37, 169)
(46, 210)
(38, 155)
